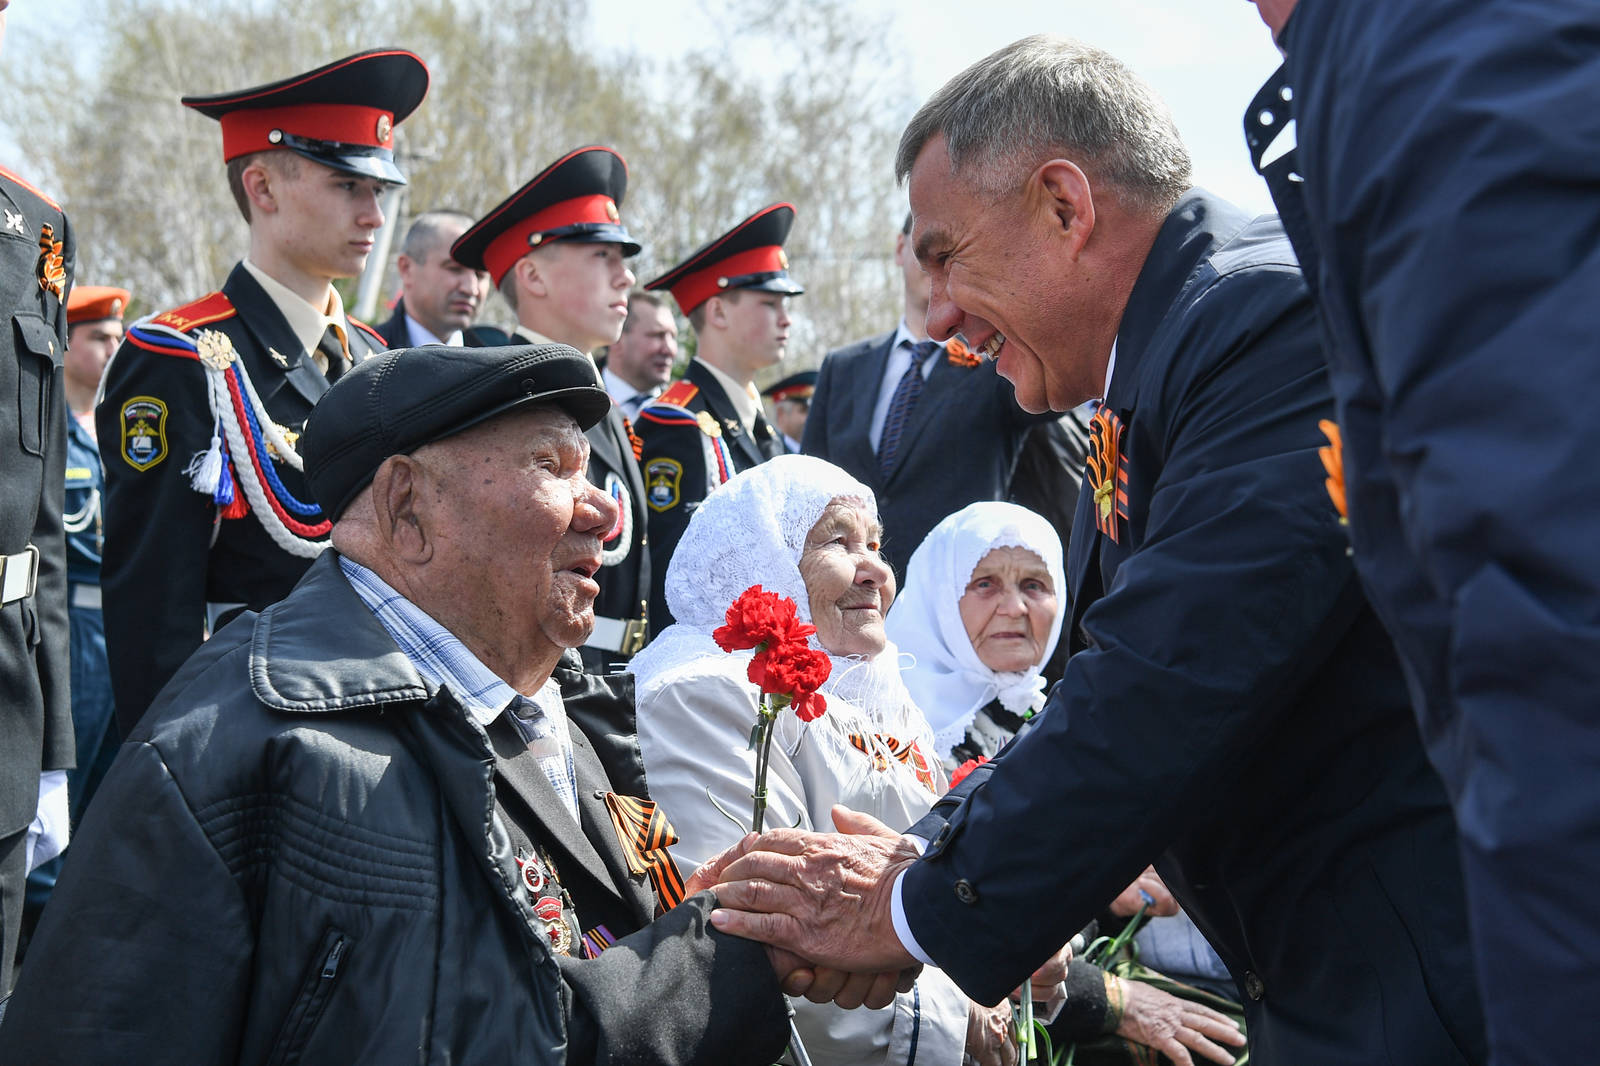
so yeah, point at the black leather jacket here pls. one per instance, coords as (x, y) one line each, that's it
(294, 860)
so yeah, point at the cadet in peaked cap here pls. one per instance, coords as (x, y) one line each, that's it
(556, 249)
(207, 509)
(791, 402)
(708, 426)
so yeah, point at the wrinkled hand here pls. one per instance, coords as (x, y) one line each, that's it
(989, 1035)
(1174, 1026)
(823, 896)
(798, 976)
(1147, 884)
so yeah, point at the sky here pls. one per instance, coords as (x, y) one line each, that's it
(1205, 57)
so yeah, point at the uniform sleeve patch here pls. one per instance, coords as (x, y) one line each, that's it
(663, 482)
(144, 432)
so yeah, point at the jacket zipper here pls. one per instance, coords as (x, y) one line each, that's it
(312, 1000)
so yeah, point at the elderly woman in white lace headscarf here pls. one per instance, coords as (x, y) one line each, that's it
(980, 616)
(804, 529)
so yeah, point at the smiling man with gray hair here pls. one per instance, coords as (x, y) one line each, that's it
(1232, 709)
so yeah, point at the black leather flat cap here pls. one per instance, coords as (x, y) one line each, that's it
(394, 403)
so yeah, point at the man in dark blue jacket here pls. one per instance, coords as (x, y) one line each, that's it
(1233, 708)
(1443, 199)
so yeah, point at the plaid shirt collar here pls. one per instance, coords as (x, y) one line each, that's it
(438, 656)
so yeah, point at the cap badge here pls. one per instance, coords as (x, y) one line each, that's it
(385, 127)
(783, 259)
(611, 211)
(275, 137)
(116, 307)
(708, 424)
(14, 222)
(215, 349)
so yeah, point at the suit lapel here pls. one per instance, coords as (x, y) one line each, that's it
(864, 381)
(520, 771)
(603, 444)
(593, 784)
(271, 330)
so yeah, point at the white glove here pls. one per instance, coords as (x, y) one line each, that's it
(47, 836)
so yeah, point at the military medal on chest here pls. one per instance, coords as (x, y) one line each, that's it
(545, 897)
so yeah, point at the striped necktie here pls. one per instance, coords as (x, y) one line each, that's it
(901, 403)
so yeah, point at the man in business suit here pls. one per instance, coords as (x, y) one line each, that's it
(708, 425)
(439, 297)
(1233, 709)
(927, 443)
(1442, 202)
(36, 746)
(206, 509)
(639, 365)
(360, 826)
(557, 250)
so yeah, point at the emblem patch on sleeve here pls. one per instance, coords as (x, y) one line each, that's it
(144, 432)
(663, 482)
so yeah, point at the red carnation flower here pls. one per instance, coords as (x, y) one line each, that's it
(966, 768)
(760, 617)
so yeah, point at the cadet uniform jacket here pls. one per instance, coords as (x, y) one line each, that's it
(693, 442)
(1231, 699)
(173, 553)
(36, 259)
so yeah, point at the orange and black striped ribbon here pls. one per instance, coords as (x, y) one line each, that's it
(646, 835)
(1108, 473)
(905, 751)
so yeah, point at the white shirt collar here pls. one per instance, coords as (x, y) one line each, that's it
(621, 391)
(306, 322)
(1111, 368)
(421, 335)
(745, 402)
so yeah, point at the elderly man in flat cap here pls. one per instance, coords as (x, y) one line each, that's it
(359, 826)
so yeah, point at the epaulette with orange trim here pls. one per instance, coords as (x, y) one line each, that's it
(202, 312)
(679, 393)
(30, 186)
(369, 331)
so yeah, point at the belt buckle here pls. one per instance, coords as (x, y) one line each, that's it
(15, 585)
(632, 637)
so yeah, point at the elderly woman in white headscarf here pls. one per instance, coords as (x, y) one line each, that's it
(981, 614)
(804, 529)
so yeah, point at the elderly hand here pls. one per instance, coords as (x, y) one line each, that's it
(798, 977)
(1174, 1026)
(1146, 888)
(989, 1036)
(824, 896)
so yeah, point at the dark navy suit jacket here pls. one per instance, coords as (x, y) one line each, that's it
(959, 445)
(1445, 198)
(1232, 705)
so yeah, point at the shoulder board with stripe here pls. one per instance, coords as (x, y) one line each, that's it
(372, 334)
(679, 393)
(30, 186)
(666, 414)
(202, 312)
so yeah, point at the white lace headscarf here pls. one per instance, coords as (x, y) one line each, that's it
(947, 679)
(751, 531)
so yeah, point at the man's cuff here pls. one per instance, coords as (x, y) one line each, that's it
(897, 911)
